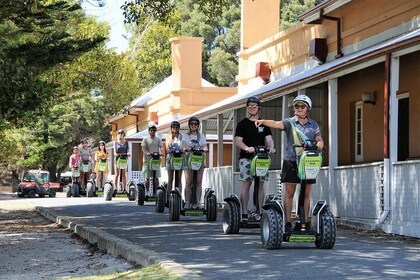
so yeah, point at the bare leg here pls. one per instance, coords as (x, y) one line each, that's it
(117, 175)
(199, 189)
(290, 192)
(188, 182)
(245, 196)
(307, 203)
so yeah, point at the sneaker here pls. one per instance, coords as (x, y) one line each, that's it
(197, 206)
(244, 217)
(298, 226)
(306, 226)
(187, 205)
(288, 227)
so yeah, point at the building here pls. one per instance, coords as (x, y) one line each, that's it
(359, 62)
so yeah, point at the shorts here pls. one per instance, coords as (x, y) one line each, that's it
(245, 170)
(289, 173)
(147, 172)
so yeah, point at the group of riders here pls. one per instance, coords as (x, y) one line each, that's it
(251, 132)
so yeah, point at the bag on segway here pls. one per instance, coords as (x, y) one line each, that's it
(176, 160)
(102, 165)
(75, 173)
(260, 164)
(155, 162)
(122, 163)
(86, 166)
(309, 164)
(195, 160)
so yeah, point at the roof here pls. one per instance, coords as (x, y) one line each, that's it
(155, 93)
(313, 74)
(139, 136)
(159, 90)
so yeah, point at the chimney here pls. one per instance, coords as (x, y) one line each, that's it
(186, 62)
(260, 19)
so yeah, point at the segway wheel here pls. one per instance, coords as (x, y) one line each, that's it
(108, 191)
(160, 201)
(328, 231)
(211, 211)
(231, 218)
(75, 190)
(271, 229)
(141, 194)
(89, 189)
(174, 207)
(68, 190)
(132, 192)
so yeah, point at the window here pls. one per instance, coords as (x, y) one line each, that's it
(358, 140)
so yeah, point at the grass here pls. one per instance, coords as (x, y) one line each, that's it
(151, 272)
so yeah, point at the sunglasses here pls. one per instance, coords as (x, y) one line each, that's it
(120, 132)
(193, 123)
(302, 106)
(152, 130)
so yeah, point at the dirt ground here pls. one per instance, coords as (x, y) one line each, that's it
(32, 247)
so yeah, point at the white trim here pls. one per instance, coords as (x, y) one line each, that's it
(403, 95)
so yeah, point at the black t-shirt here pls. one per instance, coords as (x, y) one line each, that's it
(251, 135)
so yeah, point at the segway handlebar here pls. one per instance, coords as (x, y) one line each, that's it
(309, 145)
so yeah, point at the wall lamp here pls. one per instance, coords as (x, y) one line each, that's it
(369, 97)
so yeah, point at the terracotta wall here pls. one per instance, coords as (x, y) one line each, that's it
(410, 83)
(350, 89)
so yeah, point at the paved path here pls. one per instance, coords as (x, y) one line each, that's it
(200, 249)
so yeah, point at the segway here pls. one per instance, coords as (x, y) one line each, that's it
(73, 188)
(143, 194)
(195, 161)
(102, 165)
(90, 186)
(232, 212)
(176, 162)
(323, 228)
(85, 168)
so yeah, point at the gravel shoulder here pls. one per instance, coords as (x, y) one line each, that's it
(32, 247)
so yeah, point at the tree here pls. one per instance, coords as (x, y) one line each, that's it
(36, 36)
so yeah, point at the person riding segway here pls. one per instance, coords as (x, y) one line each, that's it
(302, 161)
(248, 138)
(194, 144)
(174, 164)
(152, 151)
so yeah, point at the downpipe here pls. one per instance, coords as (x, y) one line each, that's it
(387, 184)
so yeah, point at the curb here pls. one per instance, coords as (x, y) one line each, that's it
(120, 247)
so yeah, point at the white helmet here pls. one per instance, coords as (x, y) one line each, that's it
(303, 98)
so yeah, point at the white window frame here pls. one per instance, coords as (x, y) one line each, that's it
(358, 129)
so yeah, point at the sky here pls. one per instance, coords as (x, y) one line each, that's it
(111, 13)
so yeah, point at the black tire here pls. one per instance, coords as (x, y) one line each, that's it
(89, 189)
(174, 207)
(328, 231)
(271, 229)
(160, 201)
(141, 194)
(108, 191)
(68, 191)
(231, 218)
(53, 193)
(31, 193)
(75, 190)
(132, 192)
(211, 211)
